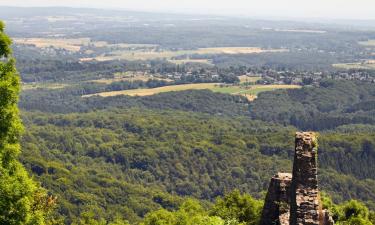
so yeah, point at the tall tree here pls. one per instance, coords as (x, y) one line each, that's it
(21, 201)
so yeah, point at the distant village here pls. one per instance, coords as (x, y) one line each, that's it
(267, 75)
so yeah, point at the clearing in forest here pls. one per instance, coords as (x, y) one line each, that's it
(367, 43)
(149, 54)
(250, 92)
(369, 65)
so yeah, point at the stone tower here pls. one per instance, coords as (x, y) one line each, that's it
(293, 199)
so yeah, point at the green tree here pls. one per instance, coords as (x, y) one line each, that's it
(242, 208)
(353, 212)
(190, 213)
(21, 201)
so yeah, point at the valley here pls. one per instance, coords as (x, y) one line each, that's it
(155, 118)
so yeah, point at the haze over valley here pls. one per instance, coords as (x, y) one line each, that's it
(139, 116)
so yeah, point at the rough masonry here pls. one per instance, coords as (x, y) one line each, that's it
(293, 199)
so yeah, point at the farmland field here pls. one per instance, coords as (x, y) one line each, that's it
(74, 44)
(31, 86)
(152, 91)
(250, 79)
(127, 51)
(367, 43)
(185, 61)
(370, 65)
(249, 92)
(146, 54)
(128, 76)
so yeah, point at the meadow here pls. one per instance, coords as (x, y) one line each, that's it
(75, 44)
(250, 92)
(147, 54)
(367, 43)
(125, 51)
(128, 76)
(369, 65)
(33, 86)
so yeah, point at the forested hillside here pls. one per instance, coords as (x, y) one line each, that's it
(193, 157)
(104, 160)
(327, 107)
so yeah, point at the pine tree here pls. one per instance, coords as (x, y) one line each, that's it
(21, 200)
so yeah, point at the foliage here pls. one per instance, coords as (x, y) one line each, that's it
(352, 213)
(127, 159)
(20, 199)
(333, 104)
(232, 209)
(242, 208)
(190, 213)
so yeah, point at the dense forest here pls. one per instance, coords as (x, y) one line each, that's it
(200, 144)
(192, 157)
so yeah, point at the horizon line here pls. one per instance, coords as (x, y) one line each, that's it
(230, 15)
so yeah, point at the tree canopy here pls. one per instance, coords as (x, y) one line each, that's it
(21, 200)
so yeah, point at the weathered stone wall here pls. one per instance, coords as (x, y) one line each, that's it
(294, 198)
(276, 209)
(304, 207)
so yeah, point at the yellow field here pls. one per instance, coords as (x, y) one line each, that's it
(31, 86)
(245, 78)
(250, 92)
(369, 65)
(136, 51)
(152, 91)
(75, 44)
(367, 43)
(128, 76)
(184, 61)
(302, 31)
(147, 54)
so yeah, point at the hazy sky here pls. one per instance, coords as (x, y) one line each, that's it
(342, 9)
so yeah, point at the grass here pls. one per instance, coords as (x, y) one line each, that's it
(136, 51)
(147, 54)
(128, 76)
(185, 61)
(152, 91)
(250, 92)
(250, 79)
(369, 65)
(367, 43)
(31, 86)
(75, 44)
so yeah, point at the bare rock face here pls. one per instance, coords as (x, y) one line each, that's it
(294, 199)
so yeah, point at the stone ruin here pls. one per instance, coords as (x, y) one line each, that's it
(293, 199)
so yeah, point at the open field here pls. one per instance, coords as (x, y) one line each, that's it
(185, 61)
(367, 43)
(75, 44)
(146, 54)
(152, 91)
(136, 51)
(252, 91)
(128, 76)
(249, 92)
(295, 30)
(31, 86)
(250, 79)
(369, 65)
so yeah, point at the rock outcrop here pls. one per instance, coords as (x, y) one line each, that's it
(293, 199)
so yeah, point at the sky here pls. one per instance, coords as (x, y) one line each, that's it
(330, 9)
